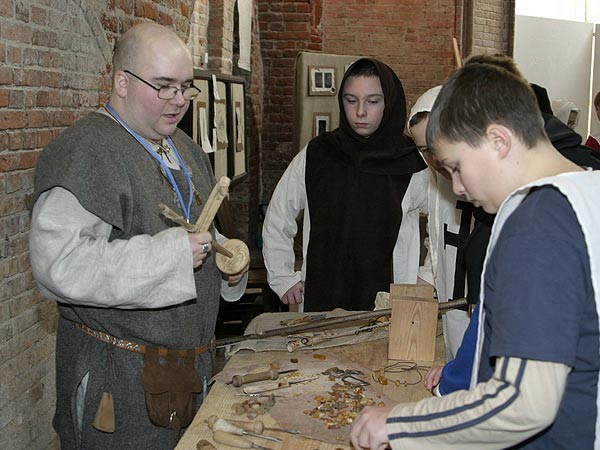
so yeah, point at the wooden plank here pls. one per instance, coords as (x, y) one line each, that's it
(413, 329)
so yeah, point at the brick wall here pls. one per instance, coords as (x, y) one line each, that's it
(286, 28)
(493, 26)
(220, 36)
(414, 38)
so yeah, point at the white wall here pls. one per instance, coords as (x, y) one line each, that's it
(557, 54)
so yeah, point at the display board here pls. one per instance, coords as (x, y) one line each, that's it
(216, 121)
(317, 80)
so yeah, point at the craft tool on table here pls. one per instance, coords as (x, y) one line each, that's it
(217, 424)
(232, 440)
(276, 386)
(258, 426)
(273, 374)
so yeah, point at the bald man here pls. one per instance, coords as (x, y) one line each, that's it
(129, 284)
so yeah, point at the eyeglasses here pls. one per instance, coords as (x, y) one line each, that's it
(169, 92)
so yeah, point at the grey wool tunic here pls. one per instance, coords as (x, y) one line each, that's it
(114, 177)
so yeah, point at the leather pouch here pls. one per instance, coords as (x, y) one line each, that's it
(170, 390)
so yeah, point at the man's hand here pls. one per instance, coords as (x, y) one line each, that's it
(235, 278)
(433, 377)
(200, 243)
(294, 295)
(368, 430)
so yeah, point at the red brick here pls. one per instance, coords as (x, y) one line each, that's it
(16, 32)
(11, 120)
(38, 15)
(3, 98)
(38, 118)
(16, 140)
(14, 54)
(6, 8)
(4, 145)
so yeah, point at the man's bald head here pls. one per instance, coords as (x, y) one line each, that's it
(138, 42)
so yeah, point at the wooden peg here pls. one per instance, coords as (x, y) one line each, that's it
(212, 205)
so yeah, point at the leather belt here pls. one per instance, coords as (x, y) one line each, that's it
(141, 348)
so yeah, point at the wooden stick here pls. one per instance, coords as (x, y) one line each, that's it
(178, 219)
(286, 331)
(212, 205)
(457, 58)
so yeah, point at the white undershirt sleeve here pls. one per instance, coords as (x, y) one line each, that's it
(280, 228)
(73, 261)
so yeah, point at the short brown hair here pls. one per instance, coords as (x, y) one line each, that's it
(497, 59)
(478, 95)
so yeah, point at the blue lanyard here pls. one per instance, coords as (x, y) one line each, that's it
(149, 149)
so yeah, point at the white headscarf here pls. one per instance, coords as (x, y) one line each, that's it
(424, 103)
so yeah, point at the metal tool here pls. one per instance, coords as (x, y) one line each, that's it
(349, 376)
(261, 395)
(258, 426)
(277, 386)
(284, 430)
(217, 424)
(273, 374)
(225, 438)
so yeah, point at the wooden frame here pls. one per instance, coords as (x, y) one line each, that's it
(216, 121)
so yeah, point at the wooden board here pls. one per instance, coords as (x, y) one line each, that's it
(413, 329)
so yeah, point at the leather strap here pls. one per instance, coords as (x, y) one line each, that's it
(140, 348)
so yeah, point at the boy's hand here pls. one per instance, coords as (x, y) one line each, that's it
(433, 377)
(369, 428)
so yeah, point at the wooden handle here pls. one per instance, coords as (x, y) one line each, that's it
(203, 444)
(240, 380)
(254, 427)
(239, 259)
(220, 249)
(457, 58)
(212, 205)
(230, 439)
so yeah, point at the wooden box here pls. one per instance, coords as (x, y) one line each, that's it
(414, 323)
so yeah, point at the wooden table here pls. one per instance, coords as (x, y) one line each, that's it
(221, 397)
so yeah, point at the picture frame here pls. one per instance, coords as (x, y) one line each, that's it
(322, 80)
(216, 122)
(321, 123)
